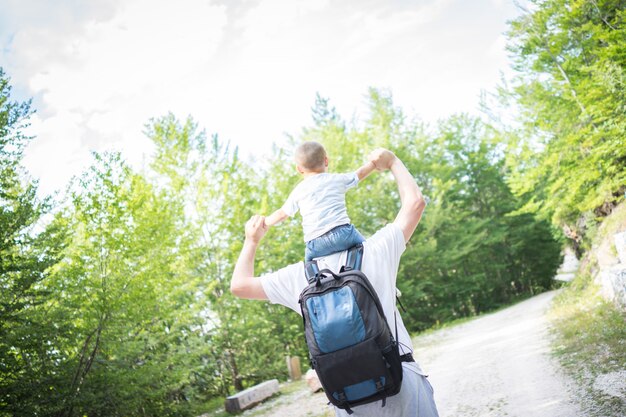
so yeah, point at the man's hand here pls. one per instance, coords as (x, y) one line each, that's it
(256, 228)
(244, 284)
(382, 158)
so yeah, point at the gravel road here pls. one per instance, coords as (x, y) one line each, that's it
(498, 365)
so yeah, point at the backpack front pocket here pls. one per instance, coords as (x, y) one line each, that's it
(365, 376)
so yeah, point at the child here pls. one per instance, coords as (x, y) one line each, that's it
(320, 197)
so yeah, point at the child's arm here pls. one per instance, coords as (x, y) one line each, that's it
(365, 170)
(275, 218)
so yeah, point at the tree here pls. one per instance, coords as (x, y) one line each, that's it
(126, 296)
(569, 156)
(27, 252)
(220, 192)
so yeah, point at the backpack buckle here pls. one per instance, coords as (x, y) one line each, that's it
(354, 257)
(311, 271)
(379, 385)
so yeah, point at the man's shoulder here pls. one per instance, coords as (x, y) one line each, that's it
(387, 234)
(386, 245)
(284, 285)
(292, 270)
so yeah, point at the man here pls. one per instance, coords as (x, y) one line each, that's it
(381, 258)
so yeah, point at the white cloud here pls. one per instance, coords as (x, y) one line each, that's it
(98, 85)
(145, 46)
(248, 70)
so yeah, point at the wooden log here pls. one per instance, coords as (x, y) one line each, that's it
(293, 368)
(250, 397)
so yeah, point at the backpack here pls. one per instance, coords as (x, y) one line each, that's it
(351, 347)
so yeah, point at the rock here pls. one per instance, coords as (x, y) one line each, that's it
(312, 380)
(252, 396)
(613, 384)
(613, 284)
(605, 254)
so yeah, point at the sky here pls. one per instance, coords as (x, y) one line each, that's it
(247, 70)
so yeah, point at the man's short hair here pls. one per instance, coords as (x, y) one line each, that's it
(310, 155)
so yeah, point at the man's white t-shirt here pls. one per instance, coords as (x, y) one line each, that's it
(381, 258)
(321, 199)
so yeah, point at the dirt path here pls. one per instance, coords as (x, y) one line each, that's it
(495, 366)
(498, 365)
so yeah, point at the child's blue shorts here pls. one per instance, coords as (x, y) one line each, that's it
(336, 239)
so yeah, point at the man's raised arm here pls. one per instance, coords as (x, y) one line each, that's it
(243, 283)
(411, 198)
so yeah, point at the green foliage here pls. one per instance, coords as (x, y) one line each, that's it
(569, 155)
(25, 259)
(221, 193)
(123, 300)
(470, 255)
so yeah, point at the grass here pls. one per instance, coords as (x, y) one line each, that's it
(590, 341)
(216, 408)
(290, 387)
(590, 331)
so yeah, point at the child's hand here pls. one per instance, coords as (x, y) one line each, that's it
(382, 158)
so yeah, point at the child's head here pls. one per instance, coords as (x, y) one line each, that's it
(311, 157)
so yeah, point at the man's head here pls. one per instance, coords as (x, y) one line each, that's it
(311, 157)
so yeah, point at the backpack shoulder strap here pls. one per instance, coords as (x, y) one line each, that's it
(354, 258)
(311, 270)
(353, 262)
